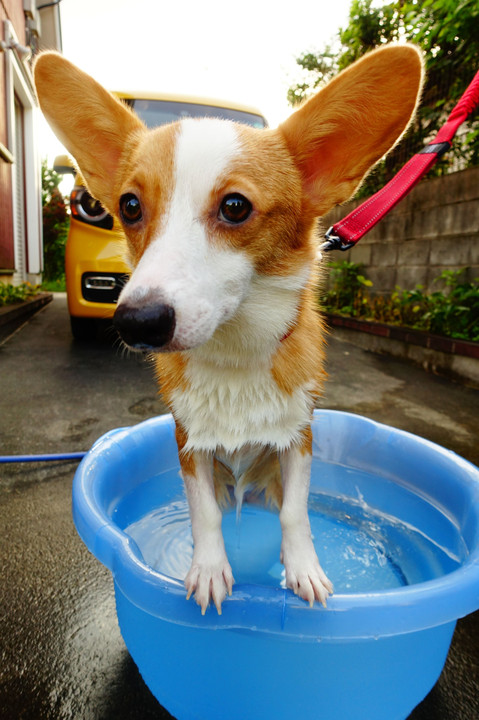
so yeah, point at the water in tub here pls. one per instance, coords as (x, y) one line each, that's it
(361, 548)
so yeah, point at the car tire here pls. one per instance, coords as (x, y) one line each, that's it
(83, 329)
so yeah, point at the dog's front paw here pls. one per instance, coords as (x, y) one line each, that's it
(209, 581)
(304, 574)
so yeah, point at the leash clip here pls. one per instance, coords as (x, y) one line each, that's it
(335, 242)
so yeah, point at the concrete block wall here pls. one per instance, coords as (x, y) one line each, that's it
(436, 227)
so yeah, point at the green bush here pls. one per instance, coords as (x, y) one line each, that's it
(55, 225)
(58, 285)
(454, 313)
(348, 294)
(10, 294)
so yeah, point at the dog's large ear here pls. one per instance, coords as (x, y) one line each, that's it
(92, 124)
(341, 132)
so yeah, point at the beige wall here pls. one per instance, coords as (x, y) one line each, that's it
(435, 227)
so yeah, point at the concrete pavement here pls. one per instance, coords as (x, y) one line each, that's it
(61, 652)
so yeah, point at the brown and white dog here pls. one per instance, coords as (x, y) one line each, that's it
(220, 221)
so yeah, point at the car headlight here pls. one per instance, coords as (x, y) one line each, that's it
(87, 209)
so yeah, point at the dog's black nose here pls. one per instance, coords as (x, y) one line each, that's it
(146, 326)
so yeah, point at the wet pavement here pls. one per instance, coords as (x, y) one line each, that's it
(62, 656)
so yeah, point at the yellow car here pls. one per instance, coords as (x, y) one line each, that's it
(94, 267)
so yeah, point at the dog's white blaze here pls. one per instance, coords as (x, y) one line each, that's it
(202, 281)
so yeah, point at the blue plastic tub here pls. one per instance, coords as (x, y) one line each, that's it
(396, 526)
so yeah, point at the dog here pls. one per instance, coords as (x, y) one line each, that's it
(221, 227)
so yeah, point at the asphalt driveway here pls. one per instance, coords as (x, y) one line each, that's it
(62, 655)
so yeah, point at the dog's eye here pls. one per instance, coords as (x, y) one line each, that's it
(130, 209)
(235, 208)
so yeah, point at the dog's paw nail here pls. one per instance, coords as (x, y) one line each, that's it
(209, 583)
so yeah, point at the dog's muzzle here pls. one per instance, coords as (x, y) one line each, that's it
(145, 327)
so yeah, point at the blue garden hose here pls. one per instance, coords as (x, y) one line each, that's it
(41, 458)
(52, 457)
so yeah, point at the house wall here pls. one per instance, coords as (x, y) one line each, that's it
(436, 227)
(13, 10)
(6, 219)
(21, 247)
(9, 10)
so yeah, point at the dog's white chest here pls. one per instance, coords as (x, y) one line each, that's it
(234, 407)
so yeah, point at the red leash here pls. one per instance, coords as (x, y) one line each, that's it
(346, 233)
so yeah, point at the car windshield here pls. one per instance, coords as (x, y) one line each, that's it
(161, 112)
